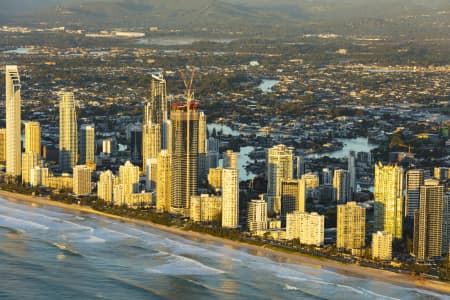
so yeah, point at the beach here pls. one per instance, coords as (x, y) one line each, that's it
(279, 256)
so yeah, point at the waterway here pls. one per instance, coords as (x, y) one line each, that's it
(19, 51)
(359, 144)
(266, 85)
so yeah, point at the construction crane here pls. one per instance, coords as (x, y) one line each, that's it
(188, 86)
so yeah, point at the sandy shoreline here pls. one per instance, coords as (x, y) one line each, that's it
(350, 270)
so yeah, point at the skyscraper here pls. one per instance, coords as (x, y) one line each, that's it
(82, 180)
(351, 226)
(341, 186)
(213, 152)
(352, 172)
(230, 198)
(33, 137)
(184, 153)
(388, 192)
(279, 167)
(164, 181)
(293, 197)
(446, 224)
(156, 110)
(230, 159)
(215, 178)
(203, 163)
(428, 233)
(299, 167)
(2, 144)
(87, 144)
(68, 136)
(151, 142)
(257, 216)
(129, 178)
(414, 180)
(327, 176)
(13, 121)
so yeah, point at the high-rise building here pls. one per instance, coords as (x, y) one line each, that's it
(230, 198)
(257, 216)
(2, 144)
(134, 135)
(156, 110)
(151, 173)
(230, 159)
(39, 176)
(351, 167)
(428, 233)
(129, 178)
(327, 176)
(388, 192)
(312, 184)
(68, 132)
(203, 163)
(82, 180)
(215, 178)
(151, 142)
(33, 137)
(166, 138)
(307, 227)
(279, 167)
(341, 186)
(205, 208)
(13, 121)
(106, 146)
(213, 152)
(105, 186)
(164, 181)
(299, 167)
(441, 173)
(414, 180)
(293, 197)
(87, 144)
(184, 152)
(382, 245)
(446, 224)
(351, 226)
(29, 161)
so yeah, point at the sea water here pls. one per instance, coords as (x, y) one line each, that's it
(51, 253)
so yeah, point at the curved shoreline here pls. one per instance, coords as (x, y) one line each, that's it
(340, 268)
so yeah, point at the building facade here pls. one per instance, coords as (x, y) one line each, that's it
(388, 193)
(351, 226)
(13, 121)
(307, 227)
(68, 132)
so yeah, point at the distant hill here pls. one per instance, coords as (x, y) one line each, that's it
(356, 16)
(129, 13)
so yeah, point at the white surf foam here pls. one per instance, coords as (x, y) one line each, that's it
(180, 265)
(25, 225)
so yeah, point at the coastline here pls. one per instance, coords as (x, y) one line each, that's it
(276, 255)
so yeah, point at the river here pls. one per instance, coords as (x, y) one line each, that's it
(49, 253)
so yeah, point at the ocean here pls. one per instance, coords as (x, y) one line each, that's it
(50, 253)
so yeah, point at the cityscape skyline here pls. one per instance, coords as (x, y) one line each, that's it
(176, 163)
